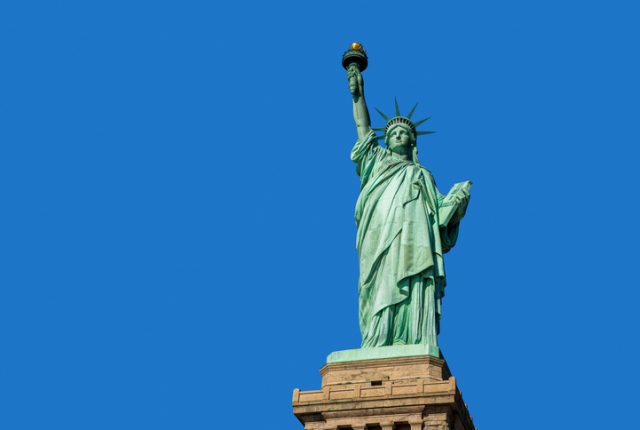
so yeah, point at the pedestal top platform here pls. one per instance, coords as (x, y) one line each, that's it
(383, 352)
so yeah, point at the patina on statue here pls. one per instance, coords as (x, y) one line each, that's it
(404, 228)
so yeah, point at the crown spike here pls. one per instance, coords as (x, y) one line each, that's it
(395, 100)
(417, 123)
(378, 129)
(386, 118)
(412, 111)
(420, 133)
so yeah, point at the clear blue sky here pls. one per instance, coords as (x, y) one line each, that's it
(177, 236)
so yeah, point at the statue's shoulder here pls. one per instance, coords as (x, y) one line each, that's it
(426, 172)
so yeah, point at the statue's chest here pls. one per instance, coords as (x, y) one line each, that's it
(391, 164)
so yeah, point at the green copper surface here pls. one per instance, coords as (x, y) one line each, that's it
(404, 228)
(383, 352)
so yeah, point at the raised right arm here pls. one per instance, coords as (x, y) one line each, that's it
(360, 111)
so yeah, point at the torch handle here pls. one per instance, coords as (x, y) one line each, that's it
(353, 80)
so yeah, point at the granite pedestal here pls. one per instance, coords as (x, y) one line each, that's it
(398, 393)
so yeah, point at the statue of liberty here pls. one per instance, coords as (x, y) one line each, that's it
(404, 226)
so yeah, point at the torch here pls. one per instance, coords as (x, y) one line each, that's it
(358, 56)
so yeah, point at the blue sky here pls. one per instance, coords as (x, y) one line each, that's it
(178, 243)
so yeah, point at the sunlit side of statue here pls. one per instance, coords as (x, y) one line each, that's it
(404, 226)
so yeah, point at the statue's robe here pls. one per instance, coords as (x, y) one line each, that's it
(400, 244)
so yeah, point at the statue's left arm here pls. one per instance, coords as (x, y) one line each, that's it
(462, 201)
(449, 230)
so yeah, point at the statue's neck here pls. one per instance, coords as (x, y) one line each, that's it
(404, 155)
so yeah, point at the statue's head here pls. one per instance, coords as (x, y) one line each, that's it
(400, 133)
(400, 138)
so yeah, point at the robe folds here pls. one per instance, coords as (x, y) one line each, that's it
(400, 244)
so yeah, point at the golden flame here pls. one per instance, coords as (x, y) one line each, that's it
(357, 46)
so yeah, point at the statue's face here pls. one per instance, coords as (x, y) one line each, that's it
(399, 138)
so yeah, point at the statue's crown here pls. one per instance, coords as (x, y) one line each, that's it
(401, 119)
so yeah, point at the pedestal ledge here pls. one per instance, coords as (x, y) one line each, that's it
(381, 352)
